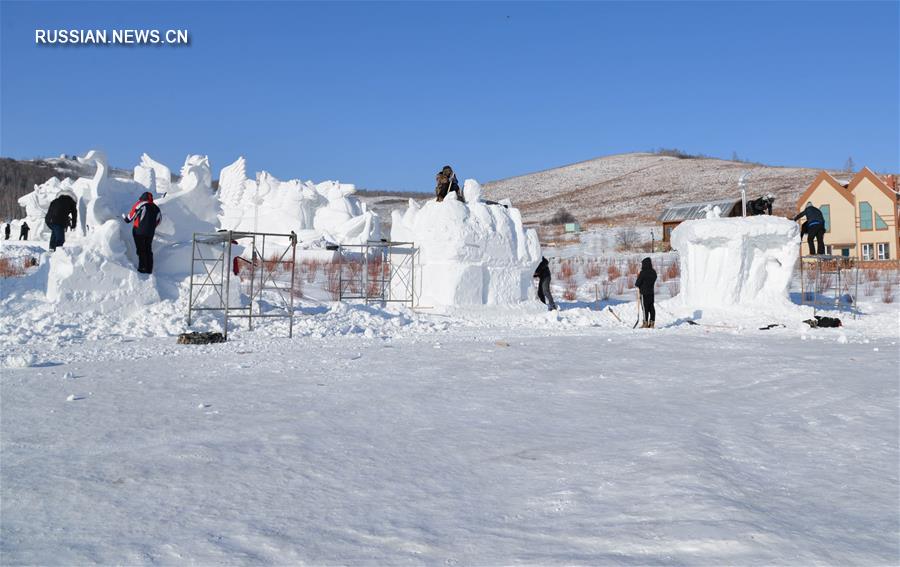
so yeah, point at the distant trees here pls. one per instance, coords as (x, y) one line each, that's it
(18, 178)
(561, 216)
(734, 156)
(676, 153)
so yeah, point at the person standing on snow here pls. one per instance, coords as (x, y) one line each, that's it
(645, 283)
(23, 231)
(446, 183)
(61, 213)
(815, 228)
(146, 216)
(7, 230)
(543, 272)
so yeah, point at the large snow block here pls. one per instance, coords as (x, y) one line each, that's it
(98, 275)
(736, 261)
(469, 253)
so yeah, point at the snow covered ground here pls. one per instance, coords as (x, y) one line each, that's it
(478, 445)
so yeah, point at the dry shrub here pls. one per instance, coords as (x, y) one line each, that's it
(591, 269)
(312, 269)
(377, 272)
(619, 286)
(673, 271)
(634, 266)
(613, 272)
(887, 292)
(333, 279)
(603, 290)
(871, 275)
(825, 282)
(11, 268)
(272, 264)
(566, 270)
(570, 292)
(868, 288)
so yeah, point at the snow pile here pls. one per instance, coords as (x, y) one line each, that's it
(314, 211)
(469, 253)
(736, 261)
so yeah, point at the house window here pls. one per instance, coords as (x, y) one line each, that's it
(865, 216)
(826, 214)
(867, 250)
(879, 223)
(845, 252)
(828, 249)
(884, 251)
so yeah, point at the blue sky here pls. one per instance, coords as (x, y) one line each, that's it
(384, 94)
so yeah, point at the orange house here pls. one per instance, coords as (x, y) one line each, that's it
(861, 217)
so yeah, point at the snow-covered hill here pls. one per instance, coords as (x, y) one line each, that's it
(627, 188)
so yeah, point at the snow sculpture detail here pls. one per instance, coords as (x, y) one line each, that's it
(469, 253)
(314, 211)
(736, 261)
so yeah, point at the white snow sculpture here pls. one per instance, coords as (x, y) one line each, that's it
(469, 253)
(161, 173)
(736, 261)
(99, 198)
(314, 212)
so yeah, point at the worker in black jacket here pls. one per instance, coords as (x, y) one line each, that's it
(543, 272)
(815, 228)
(645, 283)
(23, 231)
(62, 212)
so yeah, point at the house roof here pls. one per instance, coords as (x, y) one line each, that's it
(823, 176)
(866, 173)
(690, 211)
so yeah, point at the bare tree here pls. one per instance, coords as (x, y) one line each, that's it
(849, 165)
(626, 239)
(734, 156)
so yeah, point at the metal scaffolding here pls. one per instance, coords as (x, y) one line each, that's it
(214, 266)
(377, 272)
(826, 280)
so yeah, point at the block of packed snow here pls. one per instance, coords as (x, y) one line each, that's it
(97, 274)
(469, 253)
(736, 261)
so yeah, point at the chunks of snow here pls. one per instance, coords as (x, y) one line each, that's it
(736, 261)
(469, 253)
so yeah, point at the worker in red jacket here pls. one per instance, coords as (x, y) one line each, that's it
(146, 216)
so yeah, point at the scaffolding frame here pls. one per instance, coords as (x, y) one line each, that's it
(378, 271)
(829, 274)
(216, 272)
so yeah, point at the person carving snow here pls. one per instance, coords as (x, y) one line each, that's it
(543, 272)
(446, 183)
(23, 231)
(761, 206)
(145, 216)
(645, 281)
(815, 228)
(62, 213)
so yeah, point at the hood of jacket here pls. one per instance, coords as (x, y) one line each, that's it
(646, 264)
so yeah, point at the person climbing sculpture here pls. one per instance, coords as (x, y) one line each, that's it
(815, 228)
(761, 206)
